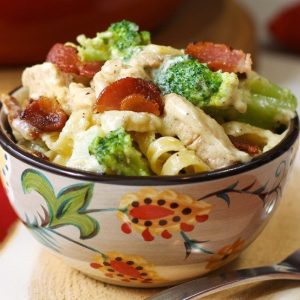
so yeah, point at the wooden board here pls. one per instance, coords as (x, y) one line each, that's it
(222, 21)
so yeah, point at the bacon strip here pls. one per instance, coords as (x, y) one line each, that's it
(89, 69)
(64, 57)
(67, 60)
(242, 145)
(220, 57)
(22, 127)
(138, 103)
(134, 94)
(45, 114)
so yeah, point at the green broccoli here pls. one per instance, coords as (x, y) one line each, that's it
(187, 77)
(125, 37)
(120, 40)
(116, 152)
(268, 105)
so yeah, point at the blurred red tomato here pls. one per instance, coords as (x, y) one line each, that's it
(29, 28)
(285, 27)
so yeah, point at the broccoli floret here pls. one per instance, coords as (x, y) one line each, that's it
(125, 37)
(116, 152)
(187, 77)
(120, 40)
(95, 49)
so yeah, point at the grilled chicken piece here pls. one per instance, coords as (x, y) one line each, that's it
(113, 70)
(48, 81)
(200, 132)
(129, 120)
(151, 56)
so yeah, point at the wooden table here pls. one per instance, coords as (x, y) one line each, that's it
(9, 78)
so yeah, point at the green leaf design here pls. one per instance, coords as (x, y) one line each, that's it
(33, 180)
(193, 246)
(41, 234)
(68, 207)
(71, 211)
(232, 186)
(225, 197)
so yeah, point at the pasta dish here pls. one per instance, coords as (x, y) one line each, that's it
(118, 104)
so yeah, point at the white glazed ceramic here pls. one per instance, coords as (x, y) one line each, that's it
(149, 231)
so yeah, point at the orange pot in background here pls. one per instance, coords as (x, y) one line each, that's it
(29, 28)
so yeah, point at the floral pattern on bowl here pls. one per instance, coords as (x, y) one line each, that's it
(125, 268)
(150, 214)
(161, 213)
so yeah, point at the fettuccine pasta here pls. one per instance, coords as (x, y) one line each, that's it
(168, 155)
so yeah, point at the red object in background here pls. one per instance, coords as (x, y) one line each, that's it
(285, 27)
(7, 215)
(29, 28)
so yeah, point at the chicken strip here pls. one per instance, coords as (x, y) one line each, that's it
(129, 120)
(200, 132)
(48, 81)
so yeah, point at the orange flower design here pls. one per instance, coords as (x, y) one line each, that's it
(125, 268)
(224, 254)
(152, 212)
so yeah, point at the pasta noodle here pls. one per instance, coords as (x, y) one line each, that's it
(168, 156)
(62, 143)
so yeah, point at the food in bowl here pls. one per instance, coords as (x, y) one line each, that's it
(145, 231)
(116, 104)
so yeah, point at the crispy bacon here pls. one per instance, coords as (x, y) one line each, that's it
(19, 126)
(45, 114)
(89, 69)
(220, 57)
(242, 145)
(64, 57)
(67, 60)
(138, 103)
(130, 93)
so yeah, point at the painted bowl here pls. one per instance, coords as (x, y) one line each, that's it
(145, 231)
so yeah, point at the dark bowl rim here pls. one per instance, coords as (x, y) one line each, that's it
(10, 147)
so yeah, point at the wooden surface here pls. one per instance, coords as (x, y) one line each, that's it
(220, 21)
(9, 79)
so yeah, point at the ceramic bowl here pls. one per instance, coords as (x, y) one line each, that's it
(145, 231)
